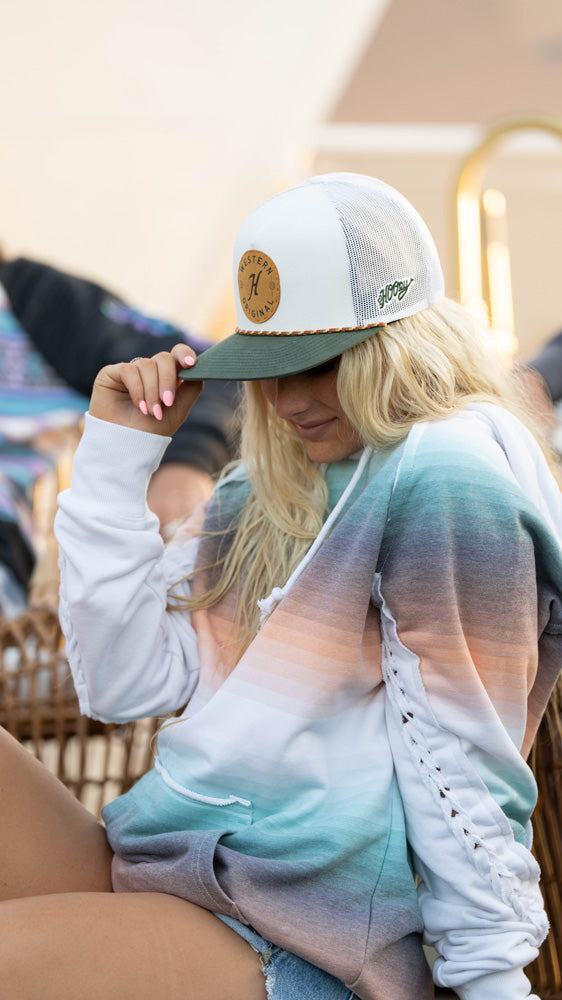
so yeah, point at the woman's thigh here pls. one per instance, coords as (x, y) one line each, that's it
(135, 946)
(48, 841)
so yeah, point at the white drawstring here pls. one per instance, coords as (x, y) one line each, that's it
(268, 604)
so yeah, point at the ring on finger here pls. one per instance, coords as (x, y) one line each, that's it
(132, 361)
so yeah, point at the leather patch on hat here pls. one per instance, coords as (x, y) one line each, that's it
(258, 285)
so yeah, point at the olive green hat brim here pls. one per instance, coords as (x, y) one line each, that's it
(247, 357)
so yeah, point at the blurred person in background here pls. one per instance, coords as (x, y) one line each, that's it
(56, 331)
(541, 379)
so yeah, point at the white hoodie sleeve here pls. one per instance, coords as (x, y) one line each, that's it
(129, 656)
(470, 578)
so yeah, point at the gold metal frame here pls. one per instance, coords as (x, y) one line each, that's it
(482, 232)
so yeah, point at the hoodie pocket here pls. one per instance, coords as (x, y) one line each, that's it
(165, 837)
(227, 804)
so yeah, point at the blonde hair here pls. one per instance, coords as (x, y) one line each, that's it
(425, 367)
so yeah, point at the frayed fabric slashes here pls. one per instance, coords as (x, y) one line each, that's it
(269, 973)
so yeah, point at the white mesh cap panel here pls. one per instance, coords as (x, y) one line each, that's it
(394, 267)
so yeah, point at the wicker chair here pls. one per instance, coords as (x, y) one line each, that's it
(39, 707)
(38, 704)
(546, 760)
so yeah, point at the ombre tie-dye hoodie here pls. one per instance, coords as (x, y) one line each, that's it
(358, 780)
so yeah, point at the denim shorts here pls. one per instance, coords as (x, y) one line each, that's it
(288, 977)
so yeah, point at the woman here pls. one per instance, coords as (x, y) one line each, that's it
(364, 630)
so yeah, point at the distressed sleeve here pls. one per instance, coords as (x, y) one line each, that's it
(130, 656)
(462, 607)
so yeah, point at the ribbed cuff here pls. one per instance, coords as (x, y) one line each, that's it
(510, 985)
(113, 465)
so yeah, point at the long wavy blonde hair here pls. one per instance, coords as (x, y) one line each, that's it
(425, 367)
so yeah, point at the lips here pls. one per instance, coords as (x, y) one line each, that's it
(315, 431)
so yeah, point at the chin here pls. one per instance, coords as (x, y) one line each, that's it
(326, 453)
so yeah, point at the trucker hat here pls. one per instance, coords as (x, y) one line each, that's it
(317, 269)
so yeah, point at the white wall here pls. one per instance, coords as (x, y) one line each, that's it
(135, 134)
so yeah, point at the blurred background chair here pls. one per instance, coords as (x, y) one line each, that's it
(39, 707)
(546, 761)
(38, 704)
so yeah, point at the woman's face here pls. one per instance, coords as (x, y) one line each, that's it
(309, 402)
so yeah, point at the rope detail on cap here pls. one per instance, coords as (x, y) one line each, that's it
(304, 333)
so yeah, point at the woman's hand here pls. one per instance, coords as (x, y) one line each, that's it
(146, 393)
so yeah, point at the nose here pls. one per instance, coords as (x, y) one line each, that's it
(289, 396)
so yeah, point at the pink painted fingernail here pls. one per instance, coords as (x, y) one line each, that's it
(143, 407)
(157, 411)
(189, 361)
(168, 398)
